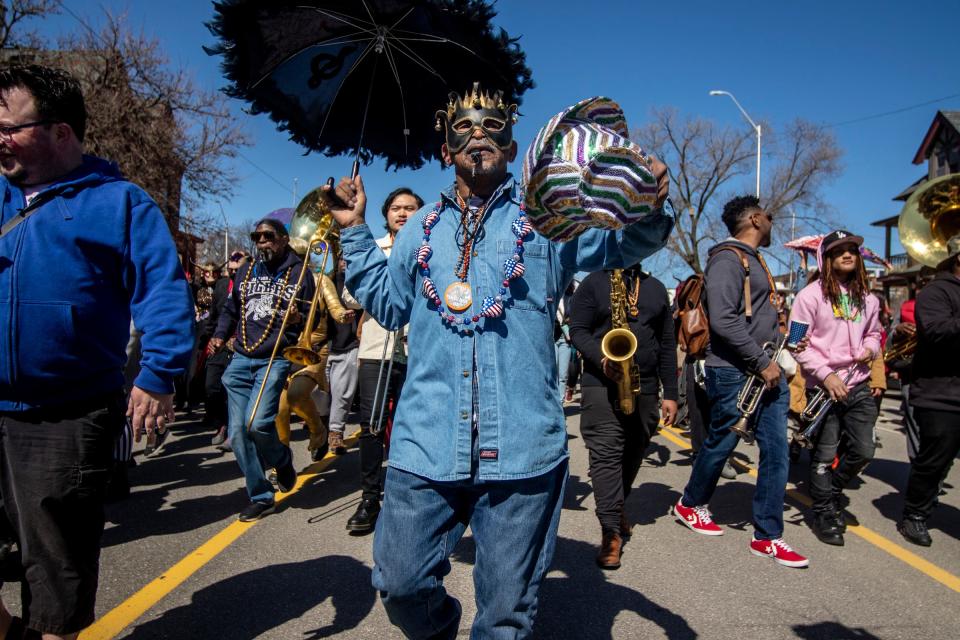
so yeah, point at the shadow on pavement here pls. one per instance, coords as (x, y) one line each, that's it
(188, 461)
(944, 517)
(582, 604)
(831, 631)
(576, 492)
(251, 604)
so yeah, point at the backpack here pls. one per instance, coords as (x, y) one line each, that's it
(691, 324)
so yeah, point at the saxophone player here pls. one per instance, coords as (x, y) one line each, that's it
(617, 439)
(844, 334)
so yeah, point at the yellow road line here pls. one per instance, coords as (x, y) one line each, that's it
(942, 576)
(124, 614)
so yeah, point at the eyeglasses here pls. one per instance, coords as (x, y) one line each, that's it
(7, 131)
(267, 236)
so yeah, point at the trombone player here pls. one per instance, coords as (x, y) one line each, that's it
(615, 437)
(844, 335)
(263, 293)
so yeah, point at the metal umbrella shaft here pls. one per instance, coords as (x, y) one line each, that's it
(383, 384)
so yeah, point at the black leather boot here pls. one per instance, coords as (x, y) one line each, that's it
(365, 517)
(827, 528)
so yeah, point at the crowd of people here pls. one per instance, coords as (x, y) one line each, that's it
(458, 336)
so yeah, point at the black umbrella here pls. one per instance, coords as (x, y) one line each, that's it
(364, 76)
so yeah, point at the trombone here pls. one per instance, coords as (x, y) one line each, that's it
(314, 221)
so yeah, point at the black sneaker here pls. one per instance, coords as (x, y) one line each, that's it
(827, 529)
(155, 442)
(915, 531)
(365, 517)
(320, 452)
(257, 510)
(286, 476)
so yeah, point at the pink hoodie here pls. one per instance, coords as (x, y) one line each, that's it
(835, 343)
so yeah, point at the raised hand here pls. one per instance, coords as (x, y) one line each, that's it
(352, 194)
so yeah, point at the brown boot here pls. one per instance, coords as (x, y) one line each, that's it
(625, 527)
(610, 549)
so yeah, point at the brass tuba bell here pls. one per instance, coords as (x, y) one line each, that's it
(930, 218)
(313, 222)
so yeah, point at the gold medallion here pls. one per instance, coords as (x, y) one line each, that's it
(458, 296)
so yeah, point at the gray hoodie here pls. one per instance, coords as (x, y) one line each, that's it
(736, 341)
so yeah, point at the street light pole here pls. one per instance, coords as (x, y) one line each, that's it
(756, 129)
(226, 235)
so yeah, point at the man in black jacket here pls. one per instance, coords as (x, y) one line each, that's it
(616, 440)
(934, 394)
(253, 315)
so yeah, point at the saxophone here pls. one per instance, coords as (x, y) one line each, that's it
(619, 344)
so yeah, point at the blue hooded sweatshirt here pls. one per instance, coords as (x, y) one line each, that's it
(96, 250)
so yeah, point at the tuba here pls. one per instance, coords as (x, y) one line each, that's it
(619, 344)
(930, 218)
(314, 222)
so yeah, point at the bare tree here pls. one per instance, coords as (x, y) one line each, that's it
(705, 159)
(13, 13)
(170, 136)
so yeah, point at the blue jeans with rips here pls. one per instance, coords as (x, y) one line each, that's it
(770, 423)
(260, 447)
(514, 525)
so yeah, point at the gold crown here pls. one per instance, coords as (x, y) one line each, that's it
(477, 99)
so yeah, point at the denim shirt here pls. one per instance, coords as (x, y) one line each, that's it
(521, 428)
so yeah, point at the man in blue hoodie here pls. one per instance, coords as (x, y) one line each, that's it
(81, 251)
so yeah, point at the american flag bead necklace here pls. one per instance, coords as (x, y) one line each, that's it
(492, 306)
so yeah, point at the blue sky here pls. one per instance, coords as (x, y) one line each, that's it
(827, 62)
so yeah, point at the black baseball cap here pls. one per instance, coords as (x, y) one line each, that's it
(836, 238)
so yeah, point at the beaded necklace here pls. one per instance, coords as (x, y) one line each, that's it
(458, 296)
(273, 316)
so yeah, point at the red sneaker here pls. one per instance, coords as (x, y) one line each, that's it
(697, 519)
(779, 550)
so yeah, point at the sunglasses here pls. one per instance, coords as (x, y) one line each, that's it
(268, 236)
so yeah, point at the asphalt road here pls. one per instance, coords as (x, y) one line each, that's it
(175, 563)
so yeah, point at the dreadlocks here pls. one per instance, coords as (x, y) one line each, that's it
(857, 287)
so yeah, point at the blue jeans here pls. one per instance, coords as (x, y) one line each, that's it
(260, 447)
(514, 526)
(770, 423)
(564, 352)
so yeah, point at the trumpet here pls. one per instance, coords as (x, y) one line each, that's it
(813, 414)
(748, 399)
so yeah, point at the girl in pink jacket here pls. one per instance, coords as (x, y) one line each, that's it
(844, 334)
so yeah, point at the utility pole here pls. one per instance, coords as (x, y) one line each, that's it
(226, 235)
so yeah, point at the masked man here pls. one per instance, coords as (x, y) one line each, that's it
(479, 437)
(253, 315)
